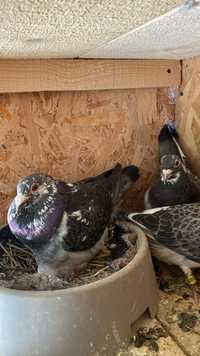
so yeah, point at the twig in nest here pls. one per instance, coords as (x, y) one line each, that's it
(8, 254)
(99, 271)
(24, 250)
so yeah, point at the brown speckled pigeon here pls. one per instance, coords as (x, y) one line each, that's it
(65, 224)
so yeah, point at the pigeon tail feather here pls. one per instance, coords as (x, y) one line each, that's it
(129, 175)
(122, 179)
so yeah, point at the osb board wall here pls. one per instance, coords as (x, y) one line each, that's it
(72, 135)
(188, 111)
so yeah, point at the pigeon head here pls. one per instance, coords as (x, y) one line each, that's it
(34, 188)
(37, 208)
(171, 168)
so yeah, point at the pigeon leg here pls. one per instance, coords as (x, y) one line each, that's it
(195, 294)
(192, 282)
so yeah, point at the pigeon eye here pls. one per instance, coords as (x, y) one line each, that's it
(177, 163)
(34, 187)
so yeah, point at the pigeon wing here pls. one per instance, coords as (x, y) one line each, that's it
(89, 209)
(177, 228)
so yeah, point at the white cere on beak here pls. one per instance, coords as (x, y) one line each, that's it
(166, 173)
(167, 176)
(20, 199)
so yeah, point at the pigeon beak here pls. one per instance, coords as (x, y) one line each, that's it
(21, 199)
(166, 173)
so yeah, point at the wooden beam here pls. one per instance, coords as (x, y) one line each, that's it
(65, 74)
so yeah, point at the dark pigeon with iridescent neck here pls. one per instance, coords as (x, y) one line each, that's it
(65, 224)
(176, 183)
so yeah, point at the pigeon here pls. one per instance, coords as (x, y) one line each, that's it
(176, 184)
(174, 234)
(169, 142)
(65, 224)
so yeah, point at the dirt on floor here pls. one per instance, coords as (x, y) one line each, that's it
(176, 329)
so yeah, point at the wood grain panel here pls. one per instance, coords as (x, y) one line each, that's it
(188, 111)
(65, 74)
(72, 135)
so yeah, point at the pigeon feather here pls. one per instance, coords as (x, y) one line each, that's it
(176, 183)
(177, 228)
(65, 224)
